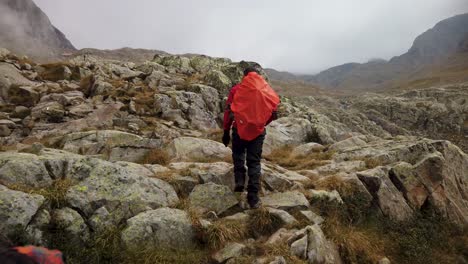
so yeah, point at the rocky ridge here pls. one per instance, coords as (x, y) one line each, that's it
(92, 146)
(437, 56)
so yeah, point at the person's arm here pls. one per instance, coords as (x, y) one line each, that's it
(228, 116)
(273, 117)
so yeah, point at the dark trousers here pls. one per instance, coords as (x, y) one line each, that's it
(250, 151)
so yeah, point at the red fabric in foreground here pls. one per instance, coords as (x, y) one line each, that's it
(253, 104)
(41, 255)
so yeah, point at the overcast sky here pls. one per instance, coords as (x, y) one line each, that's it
(301, 36)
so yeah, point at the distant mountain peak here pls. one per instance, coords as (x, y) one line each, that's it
(440, 41)
(441, 48)
(27, 30)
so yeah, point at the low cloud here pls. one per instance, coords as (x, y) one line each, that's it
(300, 36)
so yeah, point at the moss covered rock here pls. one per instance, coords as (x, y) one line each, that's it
(17, 209)
(161, 228)
(212, 197)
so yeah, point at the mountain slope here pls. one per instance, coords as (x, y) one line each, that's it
(438, 55)
(27, 30)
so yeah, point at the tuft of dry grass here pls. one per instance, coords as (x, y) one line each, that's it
(192, 79)
(222, 231)
(355, 244)
(335, 182)
(283, 157)
(117, 83)
(262, 222)
(55, 193)
(7, 148)
(166, 256)
(183, 204)
(157, 156)
(372, 163)
(167, 176)
(106, 247)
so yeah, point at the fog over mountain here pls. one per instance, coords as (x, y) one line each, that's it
(27, 30)
(300, 36)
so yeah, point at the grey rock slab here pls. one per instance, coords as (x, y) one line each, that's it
(23, 169)
(312, 217)
(161, 228)
(286, 200)
(212, 197)
(188, 148)
(307, 149)
(72, 223)
(230, 251)
(390, 200)
(285, 217)
(124, 187)
(17, 209)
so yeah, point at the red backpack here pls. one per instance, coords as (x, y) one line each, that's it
(253, 104)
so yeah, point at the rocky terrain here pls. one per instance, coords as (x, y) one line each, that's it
(119, 162)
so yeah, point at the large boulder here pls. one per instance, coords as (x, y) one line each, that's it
(23, 169)
(51, 111)
(286, 200)
(111, 145)
(212, 197)
(187, 108)
(390, 201)
(69, 98)
(287, 131)
(17, 209)
(326, 130)
(124, 190)
(161, 228)
(157, 79)
(209, 94)
(23, 95)
(311, 244)
(217, 172)
(10, 75)
(176, 64)
(429, 173)
(72, 224)
(125, 73)
(189, 149)
(58, 71)
(218, 80)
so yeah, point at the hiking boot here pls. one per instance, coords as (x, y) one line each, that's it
(242, 199)
(256, 205)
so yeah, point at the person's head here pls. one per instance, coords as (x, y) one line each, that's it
(251, 69)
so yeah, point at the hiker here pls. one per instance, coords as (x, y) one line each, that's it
(30, 255)
(251, 105)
